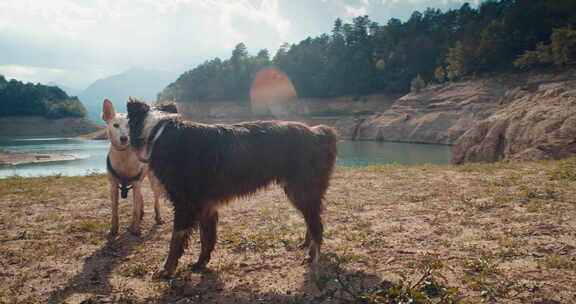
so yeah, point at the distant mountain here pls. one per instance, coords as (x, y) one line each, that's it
(138, 83)
(70, 91)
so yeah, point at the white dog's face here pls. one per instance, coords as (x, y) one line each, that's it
(116, 126)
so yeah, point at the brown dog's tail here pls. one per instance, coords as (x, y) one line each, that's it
(166, 106)
(328, 138)
(328, 134)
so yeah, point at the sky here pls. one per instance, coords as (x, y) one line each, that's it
(75, 42)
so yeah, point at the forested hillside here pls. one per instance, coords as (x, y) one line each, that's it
(364, 57)
(28, 99)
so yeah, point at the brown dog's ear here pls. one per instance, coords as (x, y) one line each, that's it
(137, 113)
(108, 112)
(136, 106)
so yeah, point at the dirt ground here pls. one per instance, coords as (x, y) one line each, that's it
(496, 233)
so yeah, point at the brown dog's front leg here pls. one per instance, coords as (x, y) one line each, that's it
(208, 236)
(307, 239)
(178, 243)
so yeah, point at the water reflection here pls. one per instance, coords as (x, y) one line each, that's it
(94, 163)
(350, 154)
(366, 153)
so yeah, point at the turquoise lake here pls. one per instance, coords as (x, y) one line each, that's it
(350, 154)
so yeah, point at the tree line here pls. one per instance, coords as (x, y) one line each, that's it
(28, 99)
(364, 57)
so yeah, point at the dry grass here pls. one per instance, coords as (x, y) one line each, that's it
(502, 233)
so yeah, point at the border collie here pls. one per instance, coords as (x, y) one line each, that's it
(203, 166)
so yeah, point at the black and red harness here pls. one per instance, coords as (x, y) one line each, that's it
(125, 182)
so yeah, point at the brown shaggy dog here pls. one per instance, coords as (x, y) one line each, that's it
(203, 166)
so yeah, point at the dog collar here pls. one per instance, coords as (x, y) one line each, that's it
(154, 134)
(116, 148)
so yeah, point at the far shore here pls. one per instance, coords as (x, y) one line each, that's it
(10, 158)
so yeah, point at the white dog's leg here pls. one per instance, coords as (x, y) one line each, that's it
(114, 200)
(155, 185)
(138, 209)
(157, 216)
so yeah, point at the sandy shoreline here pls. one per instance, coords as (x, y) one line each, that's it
(9, 158)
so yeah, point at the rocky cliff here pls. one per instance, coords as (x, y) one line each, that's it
(537, 121)
(438, 114)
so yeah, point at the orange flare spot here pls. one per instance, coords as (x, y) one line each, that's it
(270, 87)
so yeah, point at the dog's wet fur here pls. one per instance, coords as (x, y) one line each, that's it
(125, 163)
(202, 166)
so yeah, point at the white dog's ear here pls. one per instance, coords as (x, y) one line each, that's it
(108, 110)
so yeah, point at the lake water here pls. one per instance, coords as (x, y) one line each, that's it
(350, 154)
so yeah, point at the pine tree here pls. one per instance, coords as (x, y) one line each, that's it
(417, 84)
(458, 61)
(440, 74)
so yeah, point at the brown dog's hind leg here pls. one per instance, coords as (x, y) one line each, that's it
(308, 201)
(292, 197)
(315, 230)
(208, 236)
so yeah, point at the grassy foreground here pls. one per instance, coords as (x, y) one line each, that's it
(502, 233)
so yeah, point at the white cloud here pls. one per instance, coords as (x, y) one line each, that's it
(237, 15)
(40, 39)
(27, 72)
(117, 34)
(352, 11)
(73, 78)
(426, 2)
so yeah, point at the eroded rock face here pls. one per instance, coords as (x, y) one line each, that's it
(539, 122)
(439, 114)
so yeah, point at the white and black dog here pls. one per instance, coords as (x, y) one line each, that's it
(125, 171)
(203, 166)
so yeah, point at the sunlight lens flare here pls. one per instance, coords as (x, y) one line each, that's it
(272, 93)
